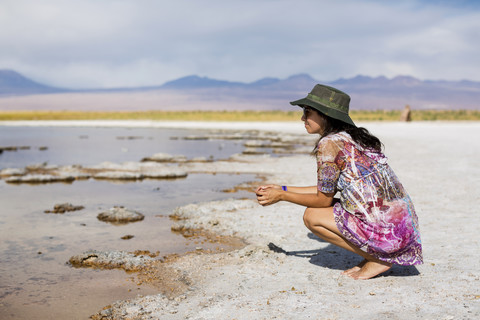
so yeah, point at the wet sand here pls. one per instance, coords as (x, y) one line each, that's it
(287, 273)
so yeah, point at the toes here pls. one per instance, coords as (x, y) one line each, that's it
(351, 270)
(355, 269)
(370, 270)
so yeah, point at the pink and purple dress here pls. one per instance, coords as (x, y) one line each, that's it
(375, 212)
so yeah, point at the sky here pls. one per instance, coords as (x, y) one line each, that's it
(130, 43)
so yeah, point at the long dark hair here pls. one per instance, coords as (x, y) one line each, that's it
(359, 134)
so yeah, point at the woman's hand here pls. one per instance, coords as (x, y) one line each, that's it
(269, 194)
(274, 186)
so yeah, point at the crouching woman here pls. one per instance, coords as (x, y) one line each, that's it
(374, 216)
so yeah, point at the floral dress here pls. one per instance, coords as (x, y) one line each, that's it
(375, 212)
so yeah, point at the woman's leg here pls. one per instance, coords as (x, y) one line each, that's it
(322, 223)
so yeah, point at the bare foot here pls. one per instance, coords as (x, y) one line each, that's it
(355, 269)
(370, 269)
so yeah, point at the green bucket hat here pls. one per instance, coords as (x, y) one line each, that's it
(329, 101)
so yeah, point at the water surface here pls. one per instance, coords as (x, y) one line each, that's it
(35, 281)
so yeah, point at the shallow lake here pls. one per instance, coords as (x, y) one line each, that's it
(35, 281)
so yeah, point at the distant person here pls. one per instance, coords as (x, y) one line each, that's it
(374, 216)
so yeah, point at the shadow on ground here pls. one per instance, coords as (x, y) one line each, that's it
(333, 257)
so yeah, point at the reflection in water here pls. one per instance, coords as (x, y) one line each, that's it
(90, 145)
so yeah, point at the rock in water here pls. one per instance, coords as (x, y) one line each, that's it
(110, 260)
(64, 207)
(120, 215)
(39, 178)
(165, 157)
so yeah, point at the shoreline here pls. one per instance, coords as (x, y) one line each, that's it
(303, 281)
(277, 126)
(294, 126)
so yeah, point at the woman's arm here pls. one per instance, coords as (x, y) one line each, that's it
(304, 196)
(311, 200)
(312, 189)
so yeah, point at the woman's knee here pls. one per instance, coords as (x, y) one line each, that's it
(317, 217)
(308, 217)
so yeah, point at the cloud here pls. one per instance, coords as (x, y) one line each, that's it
(129, 43)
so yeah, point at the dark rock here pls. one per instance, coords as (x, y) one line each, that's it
(64, 207)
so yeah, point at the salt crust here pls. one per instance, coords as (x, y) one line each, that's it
(104, 170)
(110, 260)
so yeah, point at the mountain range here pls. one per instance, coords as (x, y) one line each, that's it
(195, 92)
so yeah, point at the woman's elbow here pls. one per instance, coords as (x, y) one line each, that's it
(324, 200)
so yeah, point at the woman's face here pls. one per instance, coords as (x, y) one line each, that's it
(312, 120)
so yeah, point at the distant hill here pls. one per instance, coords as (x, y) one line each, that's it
(13, 83)
(195, 82)
(429, 94)
(203, 93)
(295, 82)
(366, 92)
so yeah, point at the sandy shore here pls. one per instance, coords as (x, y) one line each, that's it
(438, 165)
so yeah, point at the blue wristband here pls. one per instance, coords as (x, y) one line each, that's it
(284, 188)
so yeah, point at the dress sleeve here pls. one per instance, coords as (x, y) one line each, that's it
(328, 170)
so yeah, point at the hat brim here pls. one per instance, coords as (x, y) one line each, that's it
(333, 113)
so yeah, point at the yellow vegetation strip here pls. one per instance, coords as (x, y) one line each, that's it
(357, 115)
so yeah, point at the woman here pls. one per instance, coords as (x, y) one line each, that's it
(374, 216)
